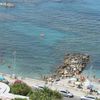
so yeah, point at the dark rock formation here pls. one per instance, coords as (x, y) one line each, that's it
(73, 64)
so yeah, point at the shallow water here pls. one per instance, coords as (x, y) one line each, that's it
(43, 31)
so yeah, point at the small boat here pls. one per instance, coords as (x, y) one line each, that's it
(7, 5)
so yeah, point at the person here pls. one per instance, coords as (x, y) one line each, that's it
(9, 66)
(42, 34)
(91, 90)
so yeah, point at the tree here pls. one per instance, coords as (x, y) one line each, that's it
(20, 88)
(45, 94)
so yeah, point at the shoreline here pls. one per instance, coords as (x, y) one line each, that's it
(12, 77)
(62, 84)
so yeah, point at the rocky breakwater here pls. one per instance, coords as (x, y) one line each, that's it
(73, 64)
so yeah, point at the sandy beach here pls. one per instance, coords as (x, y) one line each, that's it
(61, 84)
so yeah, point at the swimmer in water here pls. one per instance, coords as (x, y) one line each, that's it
(42, 34)
(9, 66)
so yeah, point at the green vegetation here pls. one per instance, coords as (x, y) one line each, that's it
(36, 94)
(20, 88)
(19, 99)
(45, 94)
(97, 99)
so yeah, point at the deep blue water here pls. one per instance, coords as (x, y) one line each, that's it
(43, 31)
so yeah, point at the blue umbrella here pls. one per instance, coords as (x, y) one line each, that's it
(2, 78)
(90, 86)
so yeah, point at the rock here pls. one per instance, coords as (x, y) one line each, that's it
(73, 64)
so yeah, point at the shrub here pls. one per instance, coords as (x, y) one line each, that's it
(38, 94)
(97, 99)
(45, 94)
(20, 88)
(19, 99)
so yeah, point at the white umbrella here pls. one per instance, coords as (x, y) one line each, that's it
(73, 79)
(77, 83)
(88, 84)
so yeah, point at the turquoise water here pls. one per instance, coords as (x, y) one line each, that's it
(43, 31)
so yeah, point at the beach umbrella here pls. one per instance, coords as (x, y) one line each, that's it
(90, 86)
(73, 79)
(77, 83)
(86, 83)
(2, 78)
(17, 81)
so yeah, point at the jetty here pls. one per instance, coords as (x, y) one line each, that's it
(73, 65)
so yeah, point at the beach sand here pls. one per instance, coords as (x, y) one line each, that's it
(62, 84)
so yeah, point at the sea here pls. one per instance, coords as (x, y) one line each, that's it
(36, 34)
